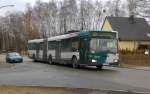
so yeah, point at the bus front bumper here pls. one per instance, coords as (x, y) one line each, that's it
(115, 63)
(91, 63)
(95, 63)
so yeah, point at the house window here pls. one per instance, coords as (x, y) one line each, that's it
(142, 47)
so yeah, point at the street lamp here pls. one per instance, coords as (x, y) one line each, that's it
(6, 6)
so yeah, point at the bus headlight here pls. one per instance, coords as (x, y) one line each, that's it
(115, 60)
(92, 51)
(94, 60)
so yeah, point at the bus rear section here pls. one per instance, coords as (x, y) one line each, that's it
(35, 49)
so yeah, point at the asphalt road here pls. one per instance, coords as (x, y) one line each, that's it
(39, 74)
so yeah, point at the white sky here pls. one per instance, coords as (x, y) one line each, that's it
(19, 5)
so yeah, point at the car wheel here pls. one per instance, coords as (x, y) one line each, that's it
(8, 61)
(21, 61)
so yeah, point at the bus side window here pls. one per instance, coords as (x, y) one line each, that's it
(66, 45)
(29, 46)
(32, 46)
(41, 46)
(75, 46)
(51, 45)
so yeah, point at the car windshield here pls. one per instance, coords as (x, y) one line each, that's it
(103, 45)
(13, 54)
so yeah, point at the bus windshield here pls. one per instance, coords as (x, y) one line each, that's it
(98, 45)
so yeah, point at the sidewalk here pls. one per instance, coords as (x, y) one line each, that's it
(142, 68)
(2, 58)
(145, 68)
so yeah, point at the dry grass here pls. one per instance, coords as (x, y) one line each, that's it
(53, 90)
(46, 90)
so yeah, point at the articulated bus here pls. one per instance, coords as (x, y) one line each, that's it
(84, 48)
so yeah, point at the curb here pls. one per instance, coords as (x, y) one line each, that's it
(126, 91)
(135, 68)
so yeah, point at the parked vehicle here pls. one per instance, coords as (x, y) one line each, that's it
(14, 57)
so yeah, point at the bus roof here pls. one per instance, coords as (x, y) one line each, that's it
(66, 36)
(60, 37)
(97, 31)
(36, 41)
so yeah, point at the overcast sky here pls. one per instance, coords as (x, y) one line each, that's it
(19, 5)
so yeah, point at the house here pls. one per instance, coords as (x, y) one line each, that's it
(134, 33)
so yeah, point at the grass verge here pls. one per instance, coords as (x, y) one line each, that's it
(54, 90)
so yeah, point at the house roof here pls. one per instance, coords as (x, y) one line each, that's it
(136, 29)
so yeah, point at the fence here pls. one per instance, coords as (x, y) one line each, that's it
(135, 58)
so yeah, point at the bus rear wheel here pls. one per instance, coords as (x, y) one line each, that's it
(99, 67)
(50, 61)
(75, 62)
(34, 58)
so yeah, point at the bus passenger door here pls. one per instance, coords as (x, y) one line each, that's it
(45, 49)
(83, 51)
(37, 50)
(58, 51)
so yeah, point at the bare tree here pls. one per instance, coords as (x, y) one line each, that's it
(143, 8)
(132, 4)
(17, 29)
(57, 17)
(98, 15)
(115, 8)
(86, 14)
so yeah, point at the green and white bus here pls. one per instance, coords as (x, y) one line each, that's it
(82, 48)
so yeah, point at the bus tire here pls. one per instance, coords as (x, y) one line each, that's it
(50, 61)
(99, 67)
(74, 62)
(34, 58)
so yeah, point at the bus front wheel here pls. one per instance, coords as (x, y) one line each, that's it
(75, 62)
(99, 67)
